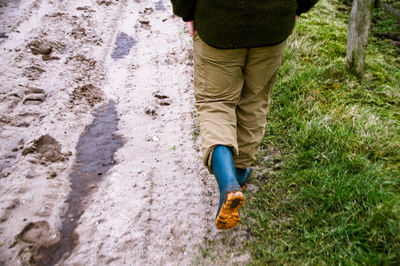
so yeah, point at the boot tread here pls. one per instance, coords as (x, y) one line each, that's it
(228, 217)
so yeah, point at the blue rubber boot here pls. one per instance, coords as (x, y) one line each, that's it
(231, 195)
(241, 176)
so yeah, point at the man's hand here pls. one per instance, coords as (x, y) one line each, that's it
(190, 27)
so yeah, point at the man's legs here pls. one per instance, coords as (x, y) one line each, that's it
(218, 81)
(259, 74)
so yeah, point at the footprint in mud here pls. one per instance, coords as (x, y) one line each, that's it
(6, 212)
(26, 118)
(33, 237)
(34, 96)
(33, 72)
(34, 232)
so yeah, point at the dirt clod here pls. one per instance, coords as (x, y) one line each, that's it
(33, 237)
(40, 47)
(47, 147)
(89, 92)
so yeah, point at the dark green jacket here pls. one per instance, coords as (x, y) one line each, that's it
(242, 23)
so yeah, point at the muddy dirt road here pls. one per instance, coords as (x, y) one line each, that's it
(99, 161)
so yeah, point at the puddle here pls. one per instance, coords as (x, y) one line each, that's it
(123, 44)
(95, 151)
(160, 6)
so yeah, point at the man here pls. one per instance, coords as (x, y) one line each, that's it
(238, 47)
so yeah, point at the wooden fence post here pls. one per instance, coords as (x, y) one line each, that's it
(357, 35)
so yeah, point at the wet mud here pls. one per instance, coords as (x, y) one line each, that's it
(123, 44)
(95, 151)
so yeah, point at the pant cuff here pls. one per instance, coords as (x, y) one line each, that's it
(207, 158)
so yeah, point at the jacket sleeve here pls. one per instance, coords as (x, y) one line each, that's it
(184, 8)
(304, 5)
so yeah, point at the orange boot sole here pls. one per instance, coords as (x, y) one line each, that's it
(228, 217)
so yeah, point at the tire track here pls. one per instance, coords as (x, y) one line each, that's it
(150, 210)
(62, 91)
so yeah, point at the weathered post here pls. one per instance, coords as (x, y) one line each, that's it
(357, 35)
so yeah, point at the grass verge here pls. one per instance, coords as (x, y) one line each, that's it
(331, 194)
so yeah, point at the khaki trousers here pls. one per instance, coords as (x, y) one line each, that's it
(232, 91)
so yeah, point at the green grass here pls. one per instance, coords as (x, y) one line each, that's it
(331, 194)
